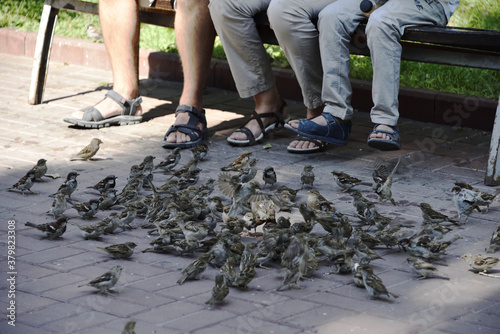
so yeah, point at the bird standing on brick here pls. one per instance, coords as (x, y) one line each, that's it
(93, 32)
(88, 151)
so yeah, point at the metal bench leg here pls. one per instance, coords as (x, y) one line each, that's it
(42, 52)
(492, 177)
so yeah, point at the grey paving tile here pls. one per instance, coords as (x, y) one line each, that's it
(50, 271)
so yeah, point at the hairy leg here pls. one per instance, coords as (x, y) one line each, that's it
(120, 29)
(194, 34)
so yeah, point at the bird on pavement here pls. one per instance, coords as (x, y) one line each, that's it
(106, 281)
(25, 183)
(51, 230)
(88, 151)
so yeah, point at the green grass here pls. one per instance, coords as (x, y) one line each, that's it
(484, 14)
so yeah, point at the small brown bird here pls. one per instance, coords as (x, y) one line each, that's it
(195, 268)
(424, 269)
(87, 209)
(170, 161)
(433, 216)
(40, 169)
(238, 163)
(373, 284)
(59, 205)
(106, 281)
(494, 241)
(200, 151)
(88, 151)
(105, 184)
(120, 251)
(346, 181)
(93, 32)
(383, 181)
(69, 186)
(51, 230)
(269, 176)
(220, 291)
(25, 183)
(307, 176)
(480, 263)
(129, 327)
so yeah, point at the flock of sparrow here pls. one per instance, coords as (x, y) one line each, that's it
(243, 229)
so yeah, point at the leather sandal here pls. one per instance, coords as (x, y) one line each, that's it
(392, 144)
(251, 139)
(190, 128)
(92, 117)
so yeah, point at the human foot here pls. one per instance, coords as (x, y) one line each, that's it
(325, 128)
(260, 123)
(385, 138)
(189, 129)
(113, 109)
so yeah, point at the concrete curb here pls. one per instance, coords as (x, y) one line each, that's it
(417, 104)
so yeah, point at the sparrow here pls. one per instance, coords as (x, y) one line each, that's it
(200, 151)
(228, 270)
(88, 151)
(129, 327)
(105, 184)
(364, 253)
(108, 199)
(128, 215)
(106, 281)
(494, 241)
(244, 277)
(87, 209)
(424, 269)
(91, 231)
(69, 186)
(59, 205)
(307, 176)
(238, 163)
(93, 32)
(110, 223)
(465, 201)
(433, 216)
(247, 174)
(383, 181)
(364, 208)
(482, 198)
(219, 291)
(120, 251)
(287, 193)
(480, 263)
(25, 183)
(51, 230)
(269, 176)
(421, 251)
(170, 161)
(189, 179)
(195, 269)
(318, 201)
(373, 284)
(241, 193)
(40, 169)
(346, 181)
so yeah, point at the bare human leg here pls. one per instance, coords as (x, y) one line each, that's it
(194, 34)
(120, 29)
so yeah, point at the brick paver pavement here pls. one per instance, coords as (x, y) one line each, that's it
(48, 272)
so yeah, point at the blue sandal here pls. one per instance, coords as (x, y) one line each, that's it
(334, 132)
(190, 128)
(392, 144)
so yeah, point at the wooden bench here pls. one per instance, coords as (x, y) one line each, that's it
(465, 47)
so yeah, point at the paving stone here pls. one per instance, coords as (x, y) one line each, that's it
(50, 271)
